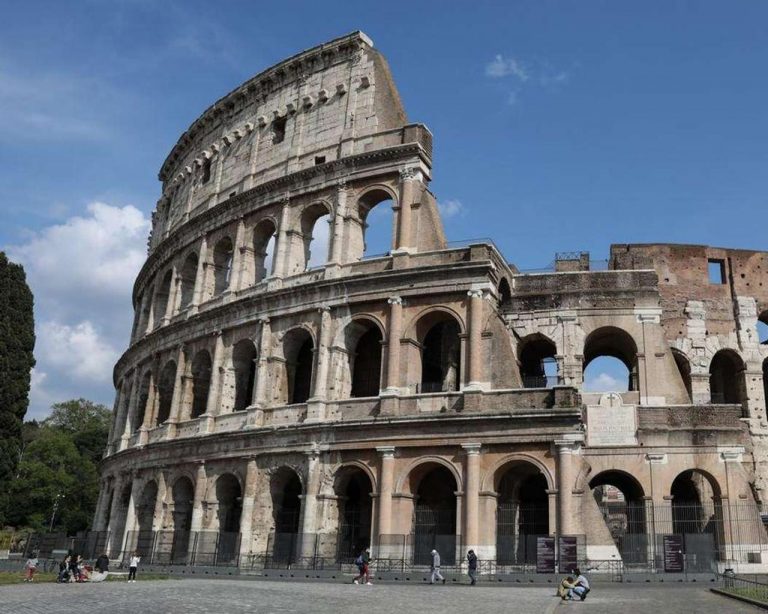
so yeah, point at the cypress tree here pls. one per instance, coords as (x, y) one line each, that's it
(17, 341)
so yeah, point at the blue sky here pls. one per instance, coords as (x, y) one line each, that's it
(558, 126)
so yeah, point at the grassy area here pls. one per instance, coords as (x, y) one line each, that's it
(17, 577)
(756, 593)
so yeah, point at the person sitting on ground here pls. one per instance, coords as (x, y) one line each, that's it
(31, 568)
(565, 587)
(74, 572)
(64, 570)
(582, 586)
(102, 564)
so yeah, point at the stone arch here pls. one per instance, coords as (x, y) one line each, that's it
(536, 354)
(438, 332)
(353, 488)
(697, 512)
(414, 328)
(505, 293)
(298, 351)
(286, 489)
(727, 382)
(366, 202)
(264, 241)
(762, 328)
(229, 497)
(142, 406)
(414, 469)
(309, 218)
(165, 386)
(161, 298)
(626, 482)
(492, 476)
(522, 510)
(350, 466)
(201, 382)
(187, 279)
(146, 311)
(244, 358)
(223, 254)
(145, 508)
(363, 338)
(684, 368)
(613, 342)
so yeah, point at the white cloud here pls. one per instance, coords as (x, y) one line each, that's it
(81, 272)
(501, 67)
(450, 208)
(603, 382)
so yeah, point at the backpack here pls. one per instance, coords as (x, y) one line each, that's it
(359, 560)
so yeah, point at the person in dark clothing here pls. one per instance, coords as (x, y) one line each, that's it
(472, 567)
(74, 571)
(102, 564)
(64, 570)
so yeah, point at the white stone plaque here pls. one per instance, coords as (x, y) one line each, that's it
(610, 423)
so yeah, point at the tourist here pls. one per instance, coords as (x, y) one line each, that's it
(31, 567)
(435, 567)
(565, 588)
(132, 566)
(363, 561)
(102, 564)
(74, 572)
(581, 587)
(64, 569)
(472, 567)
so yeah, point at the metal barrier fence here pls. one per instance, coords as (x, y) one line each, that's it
(744, 587)
(207, 548)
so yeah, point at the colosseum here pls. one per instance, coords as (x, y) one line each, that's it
(283, 408)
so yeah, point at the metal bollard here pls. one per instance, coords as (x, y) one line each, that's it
(728, 575)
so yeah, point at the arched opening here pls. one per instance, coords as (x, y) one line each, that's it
(765, 384)
(146, 312)
(538, 365)
(264, 240)
(762, 328)
(145, 512)
(440, 353)
(222, 265)
(621, 501)
(684, 368)
(142, 405)
(201, 382)
(697, 517)
(298, 350)
(161, 298)
(229, 497)
(244, 364)
(614, 354)
(522, 512)
(374, 235)
(726, 378)
(363, 341)
(315, 232)
(118, 549)
(183, 493)
(286, 491)
(434, 518)
(353, 489)
(165, 391)
(187, 280)
(505, 294)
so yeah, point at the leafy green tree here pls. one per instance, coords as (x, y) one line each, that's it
(17, 341)
(86, 422)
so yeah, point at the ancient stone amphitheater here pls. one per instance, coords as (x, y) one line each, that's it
(283, 407)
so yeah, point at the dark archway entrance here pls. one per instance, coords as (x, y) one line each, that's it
(353, 487)
(183, 500)
(522, 513)
(697, 516)
(434, 515)
(364, 342)
(286, 491)
(726, 378)
(441, 357)
(229, 496)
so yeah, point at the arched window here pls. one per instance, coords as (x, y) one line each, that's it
(726, 378)
(161, 298)
(188, 276)
(229, 499)
(762, 328)
(298, 349)
(145, 510)
(363, 339)
(286, 493)
(264, 240)
(353, 489)
(440, 353)
(538, 365)
(434, 516)
(244, 363)
(371, 234)
(222, 264)
(522, 513)
(183, 494)
(146, 312)
(505, 294)
(143, 402)
(621, 501)
(201, 382)
(165, 391)
(610, 361)
(684, 368)
(315, 232)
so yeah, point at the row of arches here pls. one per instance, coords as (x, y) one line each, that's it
(235, 261)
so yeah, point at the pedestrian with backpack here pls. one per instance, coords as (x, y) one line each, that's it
(472, 567)
(363, 561)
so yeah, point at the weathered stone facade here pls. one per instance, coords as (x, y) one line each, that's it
(405, 395)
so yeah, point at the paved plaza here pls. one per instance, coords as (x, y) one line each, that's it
(234, 596)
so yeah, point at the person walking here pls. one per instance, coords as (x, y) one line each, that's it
(363, 562)
(132, 566)
(581, 587)
(31, 568)
(435, 567)
(472, 567)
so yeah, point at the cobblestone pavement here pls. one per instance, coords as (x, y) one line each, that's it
(263, 597)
